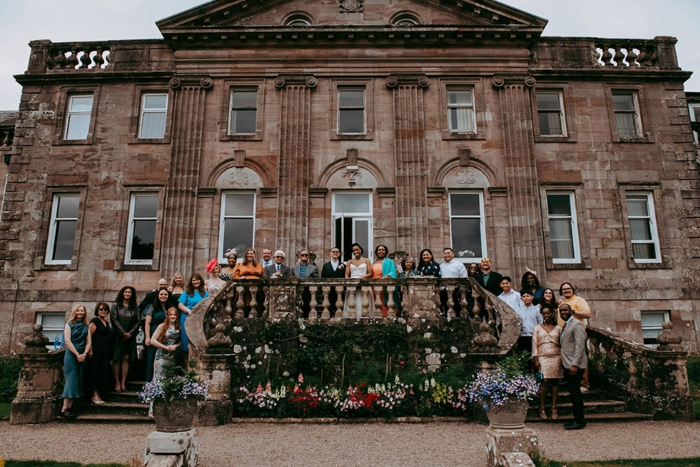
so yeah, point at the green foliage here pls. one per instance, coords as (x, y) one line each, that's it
(515, 364)
(5, 408)
(9, 375)
(693, 366)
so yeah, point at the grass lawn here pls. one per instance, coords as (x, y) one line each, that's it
(5, 410)
(56, 464)
(690, 462)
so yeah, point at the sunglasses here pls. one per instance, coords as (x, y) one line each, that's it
(303, 255)
(279, 257)
(485, 259)
(102, 309)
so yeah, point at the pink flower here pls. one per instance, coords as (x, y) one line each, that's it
(424, 370)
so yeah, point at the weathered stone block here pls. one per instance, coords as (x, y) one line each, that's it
(162, 447)
(499, 442)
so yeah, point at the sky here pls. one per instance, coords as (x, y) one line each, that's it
(94, 20)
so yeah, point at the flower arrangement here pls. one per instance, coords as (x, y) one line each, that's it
(508, 382)
(175, 386)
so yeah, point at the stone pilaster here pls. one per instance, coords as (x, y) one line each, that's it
(294, 162)
(411, 161)
(181, 191)
(521, 173)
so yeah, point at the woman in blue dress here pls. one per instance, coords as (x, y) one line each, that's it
(194, 293)
(155, 315)
(78, 343)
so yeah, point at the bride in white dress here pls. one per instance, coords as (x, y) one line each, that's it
(358, 268)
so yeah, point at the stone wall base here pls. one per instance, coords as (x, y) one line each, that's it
(172, 449)
(213, 413)
(500, 442)
(28, 411)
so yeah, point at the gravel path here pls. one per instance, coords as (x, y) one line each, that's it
(439, 444)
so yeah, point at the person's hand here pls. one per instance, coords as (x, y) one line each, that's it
(537, 361)
(81, 357)
(171, 348)
(147, 342)
(573, 370)
(127, 336)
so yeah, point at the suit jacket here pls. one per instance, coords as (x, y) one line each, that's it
(272, 269)
(493, 285)
(311, 271)
(327, 271)
(573, 345)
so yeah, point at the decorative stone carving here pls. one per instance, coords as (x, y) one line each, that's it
(355, 177)
(351, 6)
(236, 177)
(485, 339)
(219, 339)
(394, 81)
(352, 176)
(36, 342)
(282, 81)
(498, 81)
(669, 340)
(205, 82)
(174, 83)
(466, 177)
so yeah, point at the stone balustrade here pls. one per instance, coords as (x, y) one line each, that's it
(6, 137)
(627, 54)
(650, 380)
(79, 56)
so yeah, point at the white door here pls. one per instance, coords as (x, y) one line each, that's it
(352, 222)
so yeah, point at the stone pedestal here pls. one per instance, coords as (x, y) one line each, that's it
(172, 449)
(501, 443)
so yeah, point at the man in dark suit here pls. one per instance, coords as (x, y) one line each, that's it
(277, 269)
(305, 270)
(488, 279)
(333, 269)
(574, 361)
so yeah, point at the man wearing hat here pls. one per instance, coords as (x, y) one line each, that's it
(277, 269)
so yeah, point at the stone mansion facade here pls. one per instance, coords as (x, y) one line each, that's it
(318, 123)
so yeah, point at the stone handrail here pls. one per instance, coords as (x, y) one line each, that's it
(650, 380)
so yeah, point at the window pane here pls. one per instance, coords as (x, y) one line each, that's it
(78, 126)
(461, 119)
(354, 98)
(239, 205)
(238, 233)
(347, 204)
(465, 204)
(650, 335)
(352, 121)
(243, 121)
(643, 251)
(143, 241)
(550, 123)
(53, 321)
(462, 97)
(653, 319)
(466, 237)
(626, 124)
(146, 206)
(155, 101)
(64, 241)
(81, 104)
(153, 125)
(695, 113)
(637, 205)
(623, 102)
(67, 207)
(548, 101)
(244, 99)
(362, 234)
(559, 205)
(641, 230)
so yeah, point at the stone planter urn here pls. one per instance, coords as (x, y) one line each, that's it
(175, 416)
(509, 416)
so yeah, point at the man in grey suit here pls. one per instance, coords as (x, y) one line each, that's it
(303, 269)
(277, 269)
(575, 361)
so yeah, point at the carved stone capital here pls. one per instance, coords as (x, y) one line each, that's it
(350, 6)
(205, 82)
(394, 81)
(36, 342)
(499, 81)
(669, 340)
(282, 81)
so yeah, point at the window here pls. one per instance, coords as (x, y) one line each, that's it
(626, 110)
(563, 228)
(244, 111)
(154, 111)
(141, 236)
(352, 222)
(63, 227)
(643, 232)
(237, 222)
(651, 326)
(53, 324)
(351, 111)
(695, 121)
(550, 114)
(460, 109)
(78, 117)
(467, 225)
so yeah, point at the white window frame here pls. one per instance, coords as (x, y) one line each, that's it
(52, 227)
(341, 108)
(40, 320)
(231, 109)
(130, 231)
(652, 226)
(562, 112)
(356, 216)
(636, 111)
(70, 113)
(574, 227)
(652, 328)
(144, 111)
(691, 111)
(471, 107)
(222, 221)
(482, 222)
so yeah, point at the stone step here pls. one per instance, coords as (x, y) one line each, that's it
(594, 418)
(135, 386)
(126, 396)
(606, 406)
(591, 395)
(123, 408)
(108, 418)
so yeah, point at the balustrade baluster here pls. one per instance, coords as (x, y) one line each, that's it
(607, 56)
(325, 314)
(227, 309)
(85, 59)
(365, 301)
(313, 313)
(240, 304)
(463, 300)
(266, 302)
(619, 56)
(5, 139)
(477, 307)
(377, 302)
(597, 353)
(631, 57)
(404, 298)
(99, 59)
(253, 301)
(632, 370)
(339, 303)
(450, 302)
(72, 61)
(61, 60)
(391, 313)
(437, 302)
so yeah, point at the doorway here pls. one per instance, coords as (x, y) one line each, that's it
(352, 222)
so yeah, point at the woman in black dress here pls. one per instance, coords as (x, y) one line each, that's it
(427, 265)
(125, 321)
(98, 377)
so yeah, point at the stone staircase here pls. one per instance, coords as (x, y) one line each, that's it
(119, 407)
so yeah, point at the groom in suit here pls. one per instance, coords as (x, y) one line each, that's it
(277, 269)
(575, 361)
(333, 269)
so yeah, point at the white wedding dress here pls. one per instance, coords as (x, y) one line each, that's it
(354, 301)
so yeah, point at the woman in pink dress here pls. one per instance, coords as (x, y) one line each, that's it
(546, 351)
